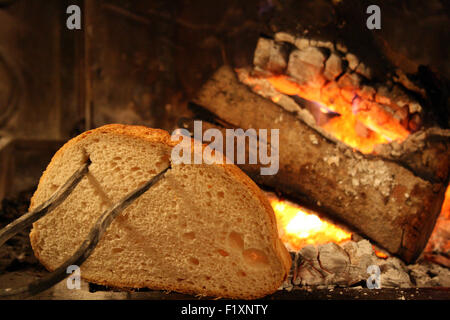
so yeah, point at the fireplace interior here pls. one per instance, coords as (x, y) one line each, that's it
(363, 118)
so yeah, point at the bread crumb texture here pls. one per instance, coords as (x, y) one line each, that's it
(203, 229)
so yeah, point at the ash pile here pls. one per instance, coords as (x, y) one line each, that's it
(356, 264)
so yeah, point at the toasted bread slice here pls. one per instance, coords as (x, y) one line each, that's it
(203, 229)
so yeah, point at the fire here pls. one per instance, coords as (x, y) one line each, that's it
(361, 123)
(380, 254)
(348, 130)
(298, 227)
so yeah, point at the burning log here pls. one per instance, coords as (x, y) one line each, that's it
(387, 200)
(370, 111)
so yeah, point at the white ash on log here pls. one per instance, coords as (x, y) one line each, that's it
(381, 199)
(426, 153)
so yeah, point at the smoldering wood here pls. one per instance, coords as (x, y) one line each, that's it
(381, 199)
(424, 152)
(310, 61)
(322, 70)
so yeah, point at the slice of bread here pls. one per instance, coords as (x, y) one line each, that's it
(203, 229)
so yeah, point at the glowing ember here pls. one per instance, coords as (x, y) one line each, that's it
(276, 99)
(380, 254)
(298, 227)
(361, 124)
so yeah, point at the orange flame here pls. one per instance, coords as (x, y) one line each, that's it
(298, 227)
(380, 254)
(362, 124)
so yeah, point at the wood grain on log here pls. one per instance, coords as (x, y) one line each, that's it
(376, 197)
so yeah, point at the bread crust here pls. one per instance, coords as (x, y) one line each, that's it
(162, 136)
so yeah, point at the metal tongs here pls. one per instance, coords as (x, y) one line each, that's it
(88, 245)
